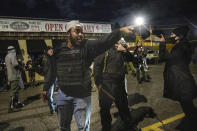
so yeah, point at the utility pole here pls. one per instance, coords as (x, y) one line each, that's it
(151, 31)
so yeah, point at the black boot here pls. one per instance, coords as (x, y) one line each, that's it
(188, 123)
(17, 103)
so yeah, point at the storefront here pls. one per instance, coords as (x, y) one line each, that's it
(30, 36)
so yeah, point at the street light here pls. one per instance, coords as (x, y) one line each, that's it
(139, 21)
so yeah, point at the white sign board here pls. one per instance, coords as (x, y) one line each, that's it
(20, 25)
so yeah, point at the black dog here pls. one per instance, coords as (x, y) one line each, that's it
(136, 98)
(137, 115)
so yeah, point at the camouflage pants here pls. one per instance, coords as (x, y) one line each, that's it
(14, 87)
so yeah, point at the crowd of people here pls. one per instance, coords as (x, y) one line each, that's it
(66, 71)
(29, 66)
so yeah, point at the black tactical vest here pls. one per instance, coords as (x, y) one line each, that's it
(115, 63)
(72, 73)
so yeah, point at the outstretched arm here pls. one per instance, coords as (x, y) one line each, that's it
(97, 47)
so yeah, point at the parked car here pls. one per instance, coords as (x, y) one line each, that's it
(152, 55)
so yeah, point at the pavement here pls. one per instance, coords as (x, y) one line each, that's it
(35, 115)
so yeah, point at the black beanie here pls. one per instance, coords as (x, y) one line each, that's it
(181, 31)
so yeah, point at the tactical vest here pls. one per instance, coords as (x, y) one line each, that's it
(72, 72)
(114, 63)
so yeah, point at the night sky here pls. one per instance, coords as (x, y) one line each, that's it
(155, 12)
(123, 11)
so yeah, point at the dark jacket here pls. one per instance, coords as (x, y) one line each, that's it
(111, 67)
(32, 69)
(138, 56)
(178, 80)
(88, 52)
(49, 71)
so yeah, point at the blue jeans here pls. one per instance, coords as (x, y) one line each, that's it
(88, 113)
(21, 84)
(50, 98)
(70, 106)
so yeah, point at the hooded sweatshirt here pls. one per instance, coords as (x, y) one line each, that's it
(11, 63)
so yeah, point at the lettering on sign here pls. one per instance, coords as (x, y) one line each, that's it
(19, 26)
(24, 25)
(88, 28)
(54, 27)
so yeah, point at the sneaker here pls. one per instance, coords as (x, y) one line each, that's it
(19, 105)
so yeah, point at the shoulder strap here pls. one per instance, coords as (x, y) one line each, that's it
(105, 61)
